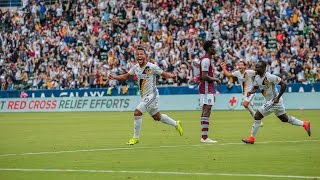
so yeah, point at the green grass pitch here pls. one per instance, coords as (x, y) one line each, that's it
(91, 145)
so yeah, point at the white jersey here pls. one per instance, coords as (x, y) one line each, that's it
(245, 79)
(146, 77)
(267, 84)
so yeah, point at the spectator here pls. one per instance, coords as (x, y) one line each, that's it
(81, 42)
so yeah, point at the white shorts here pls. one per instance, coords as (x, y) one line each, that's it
(249, 99)
(207, 99)
(149, 104)
(268, 108)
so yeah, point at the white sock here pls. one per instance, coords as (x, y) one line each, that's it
(294, 121)
(255, 127)
(137, 126)
(167, 120)
(251, 110)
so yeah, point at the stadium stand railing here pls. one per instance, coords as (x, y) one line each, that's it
(18, 3)
(10, 3)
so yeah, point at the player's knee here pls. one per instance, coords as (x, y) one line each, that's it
(156, 117)
(205, 114)
(137, 113)
(206, 111)
(284, 119)
(258, 116)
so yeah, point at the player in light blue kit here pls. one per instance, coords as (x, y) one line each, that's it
(146, 73)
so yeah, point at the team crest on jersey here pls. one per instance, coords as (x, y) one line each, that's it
(265, 81)
(246, 75)
(147, 70)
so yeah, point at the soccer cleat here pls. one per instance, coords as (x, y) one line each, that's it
(249, 140)
(307, 127)
(179, 128)
(208, 140)
(133, 141)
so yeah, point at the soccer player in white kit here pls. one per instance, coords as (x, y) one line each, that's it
(245, 77)
(267, 82)
(146, 73)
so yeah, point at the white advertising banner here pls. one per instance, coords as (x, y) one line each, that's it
(69, 104)
(167, 102)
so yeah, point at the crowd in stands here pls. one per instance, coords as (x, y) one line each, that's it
(77, 43)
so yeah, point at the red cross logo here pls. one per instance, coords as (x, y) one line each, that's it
(233, 101)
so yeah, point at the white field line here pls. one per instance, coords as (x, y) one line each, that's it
(161, 172)
(146, 147)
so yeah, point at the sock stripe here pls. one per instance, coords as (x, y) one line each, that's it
(204, 133)
(205, 127)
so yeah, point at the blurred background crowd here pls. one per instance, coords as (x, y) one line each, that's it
(77, 43)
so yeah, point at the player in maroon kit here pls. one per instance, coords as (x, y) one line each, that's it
(206, 89)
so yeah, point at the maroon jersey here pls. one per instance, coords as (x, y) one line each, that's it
(206, 65)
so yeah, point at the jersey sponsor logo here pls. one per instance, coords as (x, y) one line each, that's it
(143, 76)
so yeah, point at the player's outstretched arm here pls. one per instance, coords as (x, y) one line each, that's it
(120, 77)
(168, 75)
(225, 71)
(253, 90)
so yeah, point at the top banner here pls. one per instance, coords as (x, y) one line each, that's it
(103, 92)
